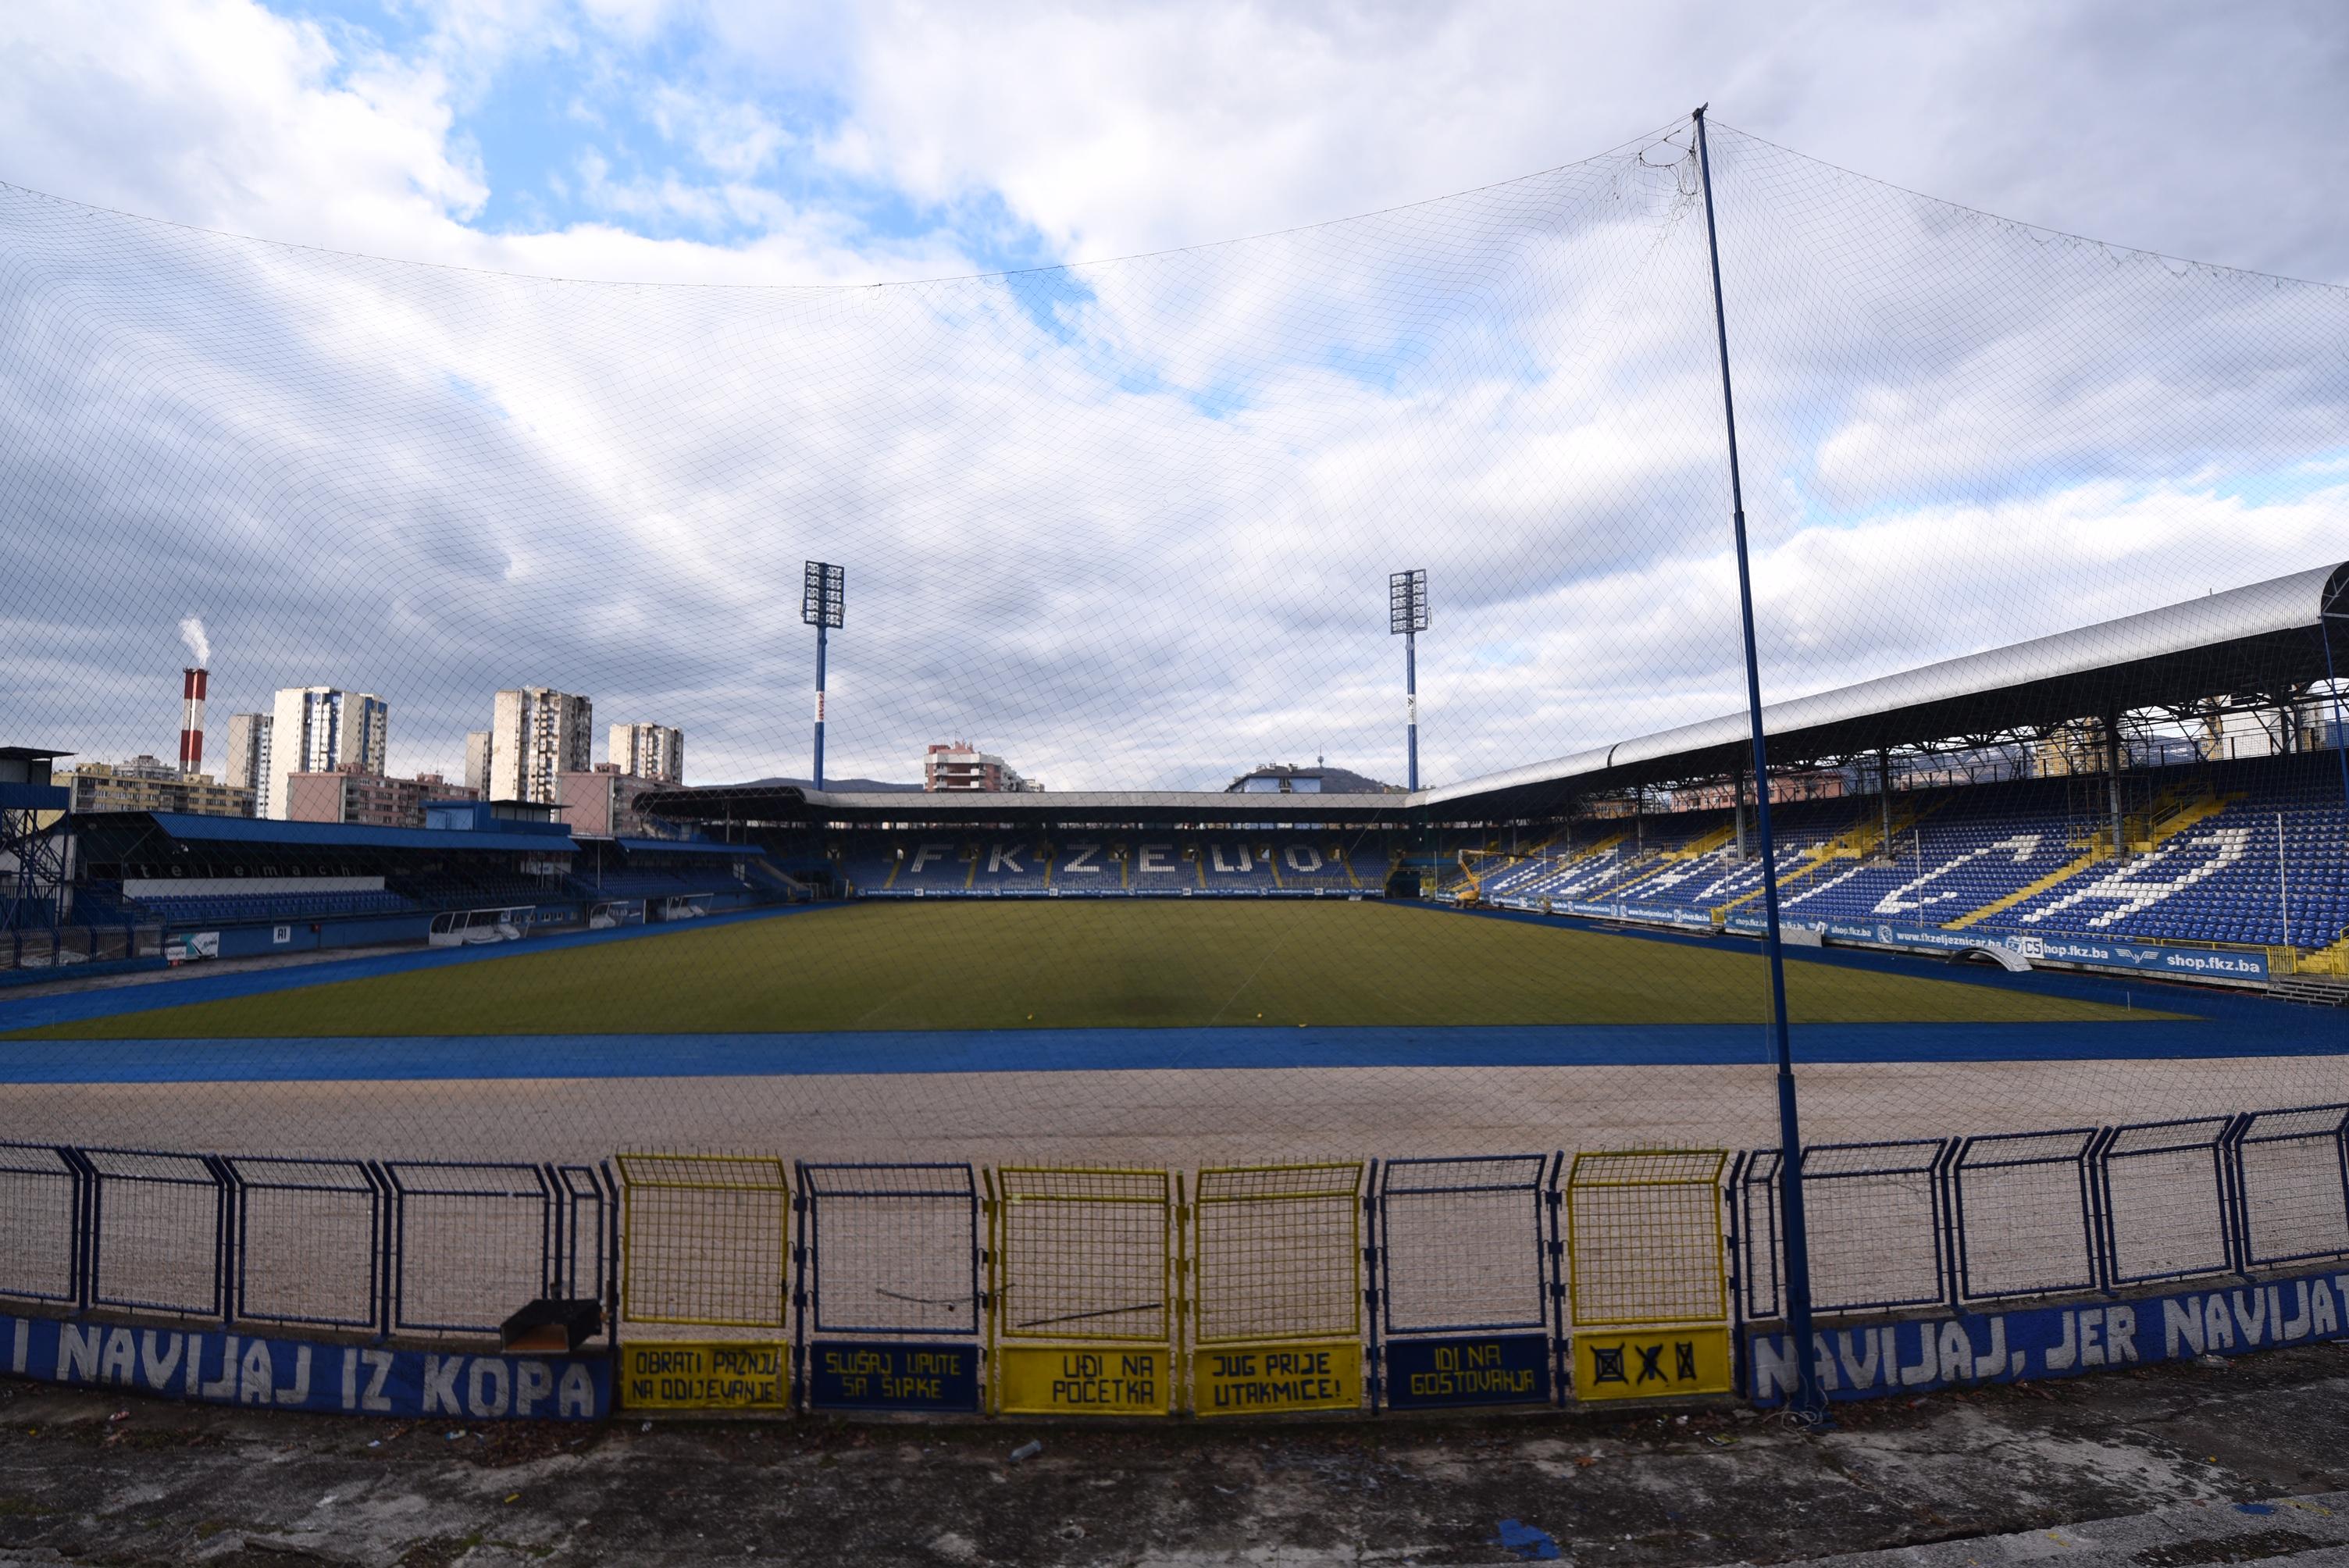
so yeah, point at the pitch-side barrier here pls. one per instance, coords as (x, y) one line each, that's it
(732, 1282)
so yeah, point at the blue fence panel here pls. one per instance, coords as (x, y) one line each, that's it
(42, 1229)
(888, 1270)
(1465, 1304)
(1460, 1244)
(2025, 1212)
(586, 1234)
(307, 1241)
(891, 1248)
(1879, 1226)
(157, 1225)
(2292, 1181)
(2166, 1200)
(469, 1243)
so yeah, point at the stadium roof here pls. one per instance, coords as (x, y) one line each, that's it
(680, 846)
(192, 828)
(2253, 643)
(784, 803)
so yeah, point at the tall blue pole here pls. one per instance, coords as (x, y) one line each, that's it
(1809, 1400)
(821, 633)
(1411, 700)
(2340, 741)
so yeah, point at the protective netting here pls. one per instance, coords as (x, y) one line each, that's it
(1126, 528)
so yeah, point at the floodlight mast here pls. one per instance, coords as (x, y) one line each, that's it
(823, 598)
(1406, 618)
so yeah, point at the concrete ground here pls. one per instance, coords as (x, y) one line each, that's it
(2243, 1463)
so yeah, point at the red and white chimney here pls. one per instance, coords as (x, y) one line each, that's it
(191, 720)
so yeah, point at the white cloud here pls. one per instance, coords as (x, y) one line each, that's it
(735, 139)
(1128, 524)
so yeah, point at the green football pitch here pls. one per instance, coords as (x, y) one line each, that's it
(1085, 965)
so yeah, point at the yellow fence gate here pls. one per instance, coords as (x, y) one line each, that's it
(1648, 1280)
(1084, 1290)
(1277, 1259)
(704, 1243)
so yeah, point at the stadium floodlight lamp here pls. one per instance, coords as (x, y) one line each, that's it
(823, 598)
(1406, 603)
(1407, 618)
(823, 605)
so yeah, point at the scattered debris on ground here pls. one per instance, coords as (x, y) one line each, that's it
(84, 1479)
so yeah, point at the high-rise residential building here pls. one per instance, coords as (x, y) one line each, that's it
(316, 729)
(652, 751)
(477, 762)
(346, 794)
(536, 735)
(151, 784)
(956, 766)
(247, 763)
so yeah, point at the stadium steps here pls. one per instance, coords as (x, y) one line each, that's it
(1498, 861)
(1595, 850)
(1703, 844)
(2333, 960)
(774, 881)
(2314, 990)
(1866, 836)
(2170, 816)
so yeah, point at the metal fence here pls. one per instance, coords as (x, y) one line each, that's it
(1879, 1225)
(1415, 1256)
(2291, 1185)
(891, 1250)
(2163, 1200)
(307, 1243)
(415, 1249)
(2025, 1209)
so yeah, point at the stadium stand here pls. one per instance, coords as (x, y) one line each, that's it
(1139, 864)
(235, 908)
(253, 886)
(1964, 850)
(2252, 852)
(664, 869)
(2259, 859)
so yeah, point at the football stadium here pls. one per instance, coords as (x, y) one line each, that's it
(1937, 920)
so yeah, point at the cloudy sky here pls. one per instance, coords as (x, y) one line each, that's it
(1128, 521)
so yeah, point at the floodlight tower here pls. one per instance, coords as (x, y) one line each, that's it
(1407, 618)
(823, 598)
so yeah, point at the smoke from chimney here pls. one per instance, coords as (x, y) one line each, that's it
(191, 718)
(192, 631)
